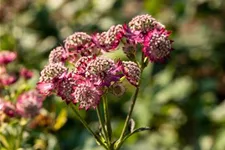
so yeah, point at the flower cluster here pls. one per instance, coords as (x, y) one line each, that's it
(92, 74)
(26, 104)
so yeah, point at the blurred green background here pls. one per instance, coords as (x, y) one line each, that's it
(183, 100)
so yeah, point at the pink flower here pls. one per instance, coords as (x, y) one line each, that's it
(59, 54)
(66, 84)
(109, 41)
(52, 71)
(49, 77)
(29, 103)
(102, 71)
(157, 46)
(27, 74)
(144, 24)
(8, 108)
(45, 88)
(81, 64)
(80, 43)
(7, 57)
(132, 72)
(87, 95)
(6, 79)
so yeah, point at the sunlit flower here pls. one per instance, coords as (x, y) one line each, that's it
(59, 54)
(7, 57)
(66, 84)
(52, 71)
(80, 43)
(87, 95)
(109, 40)
(132, 72)
(144, 23)
(102, 71)
(157, 46)
(29, 103)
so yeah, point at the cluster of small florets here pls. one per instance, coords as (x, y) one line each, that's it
(27, 105)
(7, 77)
(92, 73)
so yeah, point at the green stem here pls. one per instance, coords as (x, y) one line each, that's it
(86, 125)
(105, 133)
(133, 99)
(107, 117)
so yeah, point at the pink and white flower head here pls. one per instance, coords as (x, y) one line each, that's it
(80, 43)
(132, 72)
(7, 57)
(102, 71)
(8, 108)
(144, 23)
(87, 95)
(27, 74)
(52, 71)
(81, 64)
(29, 103)
(6, 79)
(49, 77)
(109, 41)
(59, 54)
(157, 46)
(66, 84)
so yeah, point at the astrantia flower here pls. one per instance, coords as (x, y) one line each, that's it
(8, 108)
(27, 74)
(6, 79)
(102, 71)
(7, 57)
(144, 23)
(29, 103)
(157, 46)
(109, 40)
(81, 64)
(132, 72)
(65, 86)
(49, 77)
(52, 71)
(59, 54)
(80, 43)
(87, 95)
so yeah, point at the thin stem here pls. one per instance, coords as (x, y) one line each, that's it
(102, 124)
(107, 117)
(86, 125)
(133, 99)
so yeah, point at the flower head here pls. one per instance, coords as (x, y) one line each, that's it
(52, 71)
(80, 43)
(81, 64)
(27, 74)
(102, 71)
(6, 79)
(8, 108)
(132, 72)
(65, 86)
(144, 23)
(87, 95)
(109, 40)
(59, 54)
(157, 46)
(7, 57)
(29, 103)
